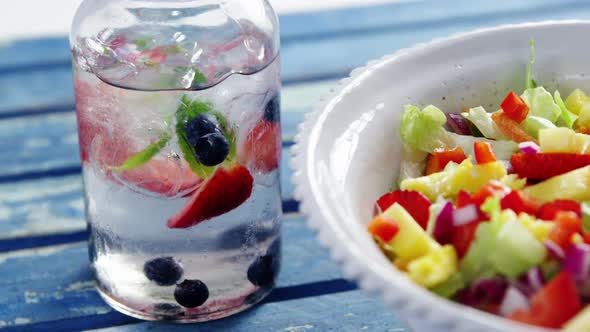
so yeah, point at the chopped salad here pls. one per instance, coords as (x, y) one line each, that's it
(492, 209)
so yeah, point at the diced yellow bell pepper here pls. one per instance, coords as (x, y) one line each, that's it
(580, 323)
(465, 176)
(411, 241)
(584, 116)
(580, 143)
(555, 139)
(576, 100)
(577, 238)
(539, 229)
(435, 268)
(563, 140)
(572, 185)
(513, 182)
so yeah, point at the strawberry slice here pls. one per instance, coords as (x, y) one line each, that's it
(104, 142)
(261, 150)
(549, 211)
(414, 202)
(162, 177)
(224, 191)
(542, 166)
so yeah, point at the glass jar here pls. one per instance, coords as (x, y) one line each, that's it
(178, 109)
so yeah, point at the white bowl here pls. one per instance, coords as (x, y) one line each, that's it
(347, 150)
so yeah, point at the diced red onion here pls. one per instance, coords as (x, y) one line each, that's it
(458, 124)
(554, 249)
(513, 300)
(484, 290)
(465, 215)
(535, 278)
(529, 147)
(577, 261)
(530, 282)
(508, 166)
(584, 289)
(443, 225)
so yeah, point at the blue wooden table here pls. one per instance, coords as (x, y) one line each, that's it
(45, 280)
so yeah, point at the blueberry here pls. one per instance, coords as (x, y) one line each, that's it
(191, 293)
(263, 271)
(164, 271)
(212, 149)
(272, 112)
(168, 309)
(200, 126)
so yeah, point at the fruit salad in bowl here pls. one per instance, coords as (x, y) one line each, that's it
(499, 216)
(453, 179)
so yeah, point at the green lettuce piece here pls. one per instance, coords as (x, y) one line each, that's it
(533, 124)
(450, 287)
(492, 208)
(529, 81)
(476, 264)
(412, 164)
(145, 155)
(541, 104)
(423, 129)
(516, 250)
(502, 149)
(586, 216)
(484, 123)
(568, 117)
(501, 246)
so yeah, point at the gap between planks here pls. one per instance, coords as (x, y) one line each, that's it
(290, 209)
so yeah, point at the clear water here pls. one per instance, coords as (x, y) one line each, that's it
(123, 106)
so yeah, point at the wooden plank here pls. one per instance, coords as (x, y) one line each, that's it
(54, 283)
(297, 27)
(49, 141)
(46, 143)
(329, 57)
(404, 15)
(54, 205)
(344, 312)
(40, 187)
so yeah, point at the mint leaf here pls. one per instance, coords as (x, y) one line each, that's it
(199, 79)
(145, 155)
(142, 43)
(187, 110)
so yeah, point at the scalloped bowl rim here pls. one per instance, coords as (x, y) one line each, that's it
(371, 276)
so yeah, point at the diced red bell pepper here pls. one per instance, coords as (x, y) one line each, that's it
(586, 237)
(383, 228)
(438, 160)
(519, 202)
(484, 153)
(550, 210)
(463, 199)
(492, 188)
(414, 202)
(542, 166)
(566, 224)
(463, 236)
(553, 305)
(514, 107)
(511, 128)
